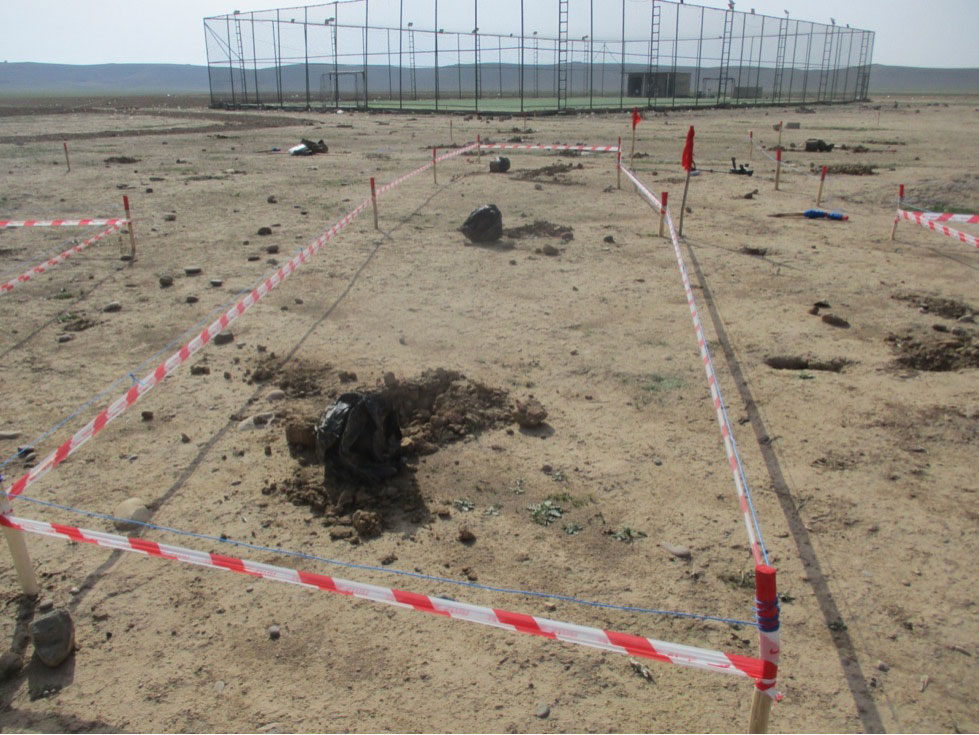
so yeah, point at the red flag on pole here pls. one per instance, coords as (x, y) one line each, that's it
(687, 159)
(636, 117)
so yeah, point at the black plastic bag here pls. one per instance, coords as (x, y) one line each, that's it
(484, 224)
(359, 439)
(500, 165)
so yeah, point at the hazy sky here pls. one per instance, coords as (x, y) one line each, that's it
(937, 33)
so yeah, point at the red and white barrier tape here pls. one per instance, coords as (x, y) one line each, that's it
(931, 224)
(726, 432)
(117, 407)
(969, 219)
(553, 147)
(60, 257)
(60, 222)
(700, 658)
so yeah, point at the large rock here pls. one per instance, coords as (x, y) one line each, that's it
(54, 637)
(131, 509)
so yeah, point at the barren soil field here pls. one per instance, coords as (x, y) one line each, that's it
(858, 432)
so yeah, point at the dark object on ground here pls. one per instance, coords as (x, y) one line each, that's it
(529, 414)
(739, 170)
(308, 148)
(750, 194)
(817, 145)
(484, 224)
(835, 321)
(815, 214)
(54, 637)
(121, 159)
(500, 165)
(359, 438)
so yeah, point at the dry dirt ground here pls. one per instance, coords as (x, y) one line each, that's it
(859, 444)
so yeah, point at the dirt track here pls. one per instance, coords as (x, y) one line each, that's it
(858, 440)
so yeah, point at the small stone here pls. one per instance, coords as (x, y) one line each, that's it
(272, 199)
(53, 636)
(272, 249)
(274, 632)
(12, 434)
(881, 666)
(193, 270)
(247, 424)
(609, 239)
(389, 559)
(539, 187)
(543, 711)
(74, 590)
(10, 665)
(301, 434)
(45, 605)
(346, 376)
(367, 523)
(549, 249)
(62, 338)
(275, 395)
(169, 217)
(680, 552)
(219, 686)
(146, 415)
(466, 536)
(166, 281)
(192, 299)
(264, 231)
(131, 509)
(299, 301)
(253, 258)
(835, 321)
(184, 439)
(200, 370)
(216, 282)
(223, 338)
(149, 189)
(111, 307)
(530, 413)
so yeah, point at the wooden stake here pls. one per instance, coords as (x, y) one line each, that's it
(67, 161)
(18, 550)
(434, 164)
(132, 234)
(479, 147)
(897, 217)
(662, 211)
(632, 153)
(374, 202)
(761, 707)
(618, 165)
(451, 139)
(751, 143)
(822, 178)
(778, 166)
(780, 126)
(683, 204)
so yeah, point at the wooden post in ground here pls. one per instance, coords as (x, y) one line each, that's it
(451, 139)
(766, 601)
(479, 147)
(434, 164)
(780, 126)
(683, 204)
(18, 550)
(618, 165)
(822, 178)
(632, 152)
(897, 216)
(374, 202)
(129, 224)
(67, 161)
(662, 211)
(751, 143)
(778, 166)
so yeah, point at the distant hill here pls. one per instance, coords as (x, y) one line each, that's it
(32, 78)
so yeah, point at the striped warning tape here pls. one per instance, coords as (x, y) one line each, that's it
(969, 219)
(674, 653)
(60, 222)
(60, 257)
(730, 447)
(552, 147)
(932, 224)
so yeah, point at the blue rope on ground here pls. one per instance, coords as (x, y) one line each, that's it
(384, 570)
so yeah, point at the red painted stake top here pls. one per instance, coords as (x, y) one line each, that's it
(900, 194)
(822, 176)
(778, 155)
(765, 589)
(665, 195)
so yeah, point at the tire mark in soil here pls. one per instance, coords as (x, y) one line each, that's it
(845, 649)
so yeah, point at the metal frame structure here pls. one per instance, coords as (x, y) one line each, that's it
(267, 58)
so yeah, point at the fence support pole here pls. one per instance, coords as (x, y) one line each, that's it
(479, 147)
(618, 165)
(18, 550)
(766, 605)
(822, 178)
(434, 164)
(67, 161)
(129, 226)
(374, 202)
(683, 204)
(897, 217)
(778, 166)
(662, 211)
(751, 143)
